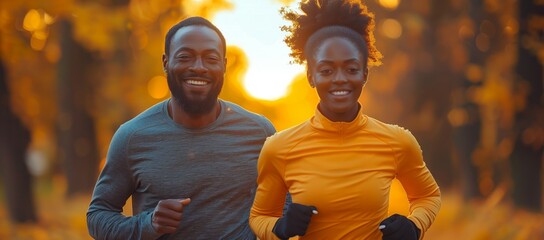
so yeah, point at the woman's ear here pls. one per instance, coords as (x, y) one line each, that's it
(310, 79)
(365, 76)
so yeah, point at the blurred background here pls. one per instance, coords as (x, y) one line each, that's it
(465, 76)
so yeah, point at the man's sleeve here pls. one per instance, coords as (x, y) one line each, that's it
(421, 188)
(269, 127)
(114, 186)
(271, 193)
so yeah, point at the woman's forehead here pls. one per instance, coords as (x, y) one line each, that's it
(336, 48)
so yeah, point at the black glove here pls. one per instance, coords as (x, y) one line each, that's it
(294, 222)
(398, 227)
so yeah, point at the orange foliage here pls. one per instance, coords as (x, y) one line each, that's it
(494, 218)
(128, 41)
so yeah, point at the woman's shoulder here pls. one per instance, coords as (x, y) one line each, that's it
(390, 130)
(290, 135)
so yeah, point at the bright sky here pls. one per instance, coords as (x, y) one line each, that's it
(254, 26)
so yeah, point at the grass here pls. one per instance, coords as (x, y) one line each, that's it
(493, 218)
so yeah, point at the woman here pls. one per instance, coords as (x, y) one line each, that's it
(339, 165)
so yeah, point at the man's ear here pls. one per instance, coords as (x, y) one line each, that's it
(164, 62)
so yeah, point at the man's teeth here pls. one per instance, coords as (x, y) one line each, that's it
(340, 93)
(197, 82)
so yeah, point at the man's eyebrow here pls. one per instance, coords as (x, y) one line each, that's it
(192, 50)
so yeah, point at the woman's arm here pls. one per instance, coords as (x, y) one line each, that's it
(271, 191)
(421, 188)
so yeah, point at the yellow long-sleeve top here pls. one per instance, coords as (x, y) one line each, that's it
(345, 170)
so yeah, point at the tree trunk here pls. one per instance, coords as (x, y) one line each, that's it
(76, 128)
(467, 136)
(14, 140)
(79, 76)
(527, 156)
(466, 139)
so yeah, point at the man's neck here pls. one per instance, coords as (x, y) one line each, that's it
(190, 120)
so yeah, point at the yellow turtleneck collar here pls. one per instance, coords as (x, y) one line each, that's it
(320, 122)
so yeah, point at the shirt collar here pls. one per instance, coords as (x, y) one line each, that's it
(320, 122)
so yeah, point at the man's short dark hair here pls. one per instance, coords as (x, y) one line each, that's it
(192, 21)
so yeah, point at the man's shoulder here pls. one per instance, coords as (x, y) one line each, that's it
(147, 118)
(237, 111)
(235, 108)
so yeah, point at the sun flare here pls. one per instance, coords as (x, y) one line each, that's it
(254, 26)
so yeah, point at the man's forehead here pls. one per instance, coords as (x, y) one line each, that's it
(196, 33)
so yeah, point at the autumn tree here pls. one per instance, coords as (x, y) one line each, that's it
(78, 83)
(527, 156)
(14, 141)
(480, 111)
(76, 129)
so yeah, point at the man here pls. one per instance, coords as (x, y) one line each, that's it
(189, 162)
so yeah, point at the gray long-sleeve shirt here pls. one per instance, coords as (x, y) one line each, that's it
(152, 158)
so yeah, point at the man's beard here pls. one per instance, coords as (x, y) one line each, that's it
(197, 107)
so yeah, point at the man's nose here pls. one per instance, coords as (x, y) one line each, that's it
(198, 66)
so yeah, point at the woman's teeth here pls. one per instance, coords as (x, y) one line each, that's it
(340, 93)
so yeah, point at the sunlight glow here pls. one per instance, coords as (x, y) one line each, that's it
(157, 87)
(391, 4)
(254, 26)
(36, 21)
(391, 28)
(33, 21)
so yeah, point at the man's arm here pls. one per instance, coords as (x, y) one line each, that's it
(114, 186)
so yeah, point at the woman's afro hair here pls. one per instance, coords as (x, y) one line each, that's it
(317, 14)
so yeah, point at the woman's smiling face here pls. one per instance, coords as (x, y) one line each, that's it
(338, 71)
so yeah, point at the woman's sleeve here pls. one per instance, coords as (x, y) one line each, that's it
(418, 182)
(271, 190)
